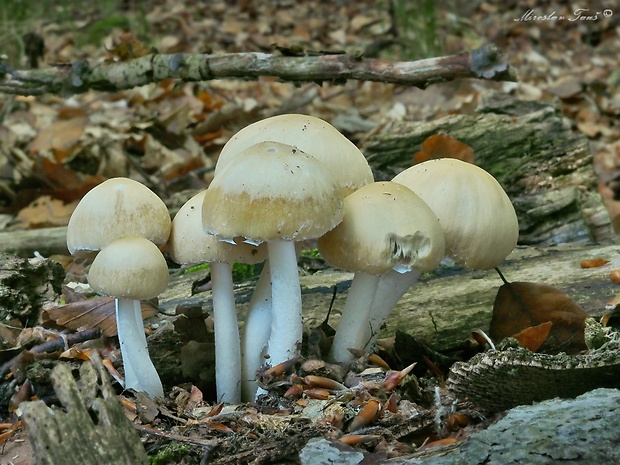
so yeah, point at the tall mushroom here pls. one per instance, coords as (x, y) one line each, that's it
(385, 225)
(310, 134)
(479, 222)
(275, 193)
(131, 269)
(325, 143)
(189, 244)
(117, 208)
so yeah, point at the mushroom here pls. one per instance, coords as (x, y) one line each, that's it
(385, 225)
(324, 142)
(117, 208)
(275, 193)
(131, 269)
(479, 222)
(312, 135)
(189, 244)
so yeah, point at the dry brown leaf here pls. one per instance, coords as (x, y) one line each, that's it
(91, 313)
(532, 338)
(59, 137)
(443, 146)
(45, 212)
(520, 305)
(593, 262)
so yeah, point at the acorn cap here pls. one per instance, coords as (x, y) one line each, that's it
(129, 268)
(311, 135)
(189, 244)
(479, 222)
(272, 191)
(117, 208)
(384, 225)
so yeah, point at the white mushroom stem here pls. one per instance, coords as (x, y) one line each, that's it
(392, 286)
(255, 335)
(353, 326)
(140, 373)
(226, 329)
(286, 324)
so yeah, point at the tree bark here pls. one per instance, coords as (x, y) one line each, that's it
(483, 63)
(73, 437)
(544, 166)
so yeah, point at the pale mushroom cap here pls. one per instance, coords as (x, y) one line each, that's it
(272, 191)
(117, 208)
(189, 244)
(311, 135)
(129, 268)
(478, 219)
(384, 225)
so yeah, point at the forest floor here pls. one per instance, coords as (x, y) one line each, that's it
(54, 148)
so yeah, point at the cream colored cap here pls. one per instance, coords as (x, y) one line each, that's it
(272, 191)
(478, 219)
(311, 135)
(129, 268)
(117, 208)
(384, 225)
(189, 244)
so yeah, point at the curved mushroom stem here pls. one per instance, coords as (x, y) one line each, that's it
(226, 330)
(392, 286)
(140, 373)
(256, 335)
(286, 324)
(352, 328)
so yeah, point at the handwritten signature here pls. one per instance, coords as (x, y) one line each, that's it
(580, 14)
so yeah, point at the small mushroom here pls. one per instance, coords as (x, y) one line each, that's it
(385, 225)
(190, 245)
(131, 269)
(275, 193)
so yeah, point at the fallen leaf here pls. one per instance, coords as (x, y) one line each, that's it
(59, 137)
(98, 312)
(443, 146)
(593, 262)
(520, 305)
(532, 338)
(45, 212)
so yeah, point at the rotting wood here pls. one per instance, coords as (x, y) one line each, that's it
(74, 437)
(446, 305)
(545, 167)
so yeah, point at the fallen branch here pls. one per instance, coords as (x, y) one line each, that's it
(484, 63)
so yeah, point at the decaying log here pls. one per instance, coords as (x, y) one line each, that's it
(46, 241)
(25, 284)
(580, 431)
(544, 166)
(498, 380)
(93, 430)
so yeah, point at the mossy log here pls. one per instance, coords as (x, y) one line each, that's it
(544, 166)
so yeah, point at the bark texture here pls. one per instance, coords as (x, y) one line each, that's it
(484, 63)
(544, 166)
(92, 431)
(584, 430)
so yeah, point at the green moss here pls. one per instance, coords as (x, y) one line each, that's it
(171, 454)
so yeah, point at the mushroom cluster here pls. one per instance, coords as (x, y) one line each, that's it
(280, 184)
